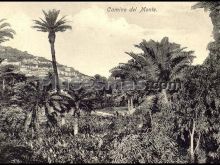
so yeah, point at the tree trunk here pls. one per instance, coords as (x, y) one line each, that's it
(164, 92)
(132, 105)
(76, 120)
(27, 121)
(72, 111)
(3, 84)
(76, 126)
(54, 63)
(63, 119)
(192, 156)
(129, 105)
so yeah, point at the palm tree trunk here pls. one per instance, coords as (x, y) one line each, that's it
(76, 120)
(54, 63)
(3, 84)
(63, 119)
(132, 106)
(27, 121)
(72, 111)
(37, 124)
(129, 105)
(164, 91)
(13, 81)
(192, 156)
(76, 126)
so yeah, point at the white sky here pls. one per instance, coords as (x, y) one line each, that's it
(99, 38)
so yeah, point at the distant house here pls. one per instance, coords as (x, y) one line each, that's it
(23, 69)
(30, 60)
(45, 62)
(6, 62)
(67, 69)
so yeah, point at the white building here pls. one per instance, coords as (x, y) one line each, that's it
(67, 69)
(30, 60)
(6, 62)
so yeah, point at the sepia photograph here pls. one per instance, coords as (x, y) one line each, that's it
(110, 82)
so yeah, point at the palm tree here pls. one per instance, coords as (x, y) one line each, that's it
(82, 99)
(34, 97)
(6, 32)
(130, 71)
(162, 61)
(51, 25)
(100, 90)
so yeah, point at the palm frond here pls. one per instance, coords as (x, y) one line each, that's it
(6, 33)
(40, 28)
(50, 22)
(61, 21)
(4, 25)
(51, 16)
(63, 28)
(1, 20)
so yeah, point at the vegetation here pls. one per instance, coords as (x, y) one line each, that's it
(138, 124)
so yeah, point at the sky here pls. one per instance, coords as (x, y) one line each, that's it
(100, 37)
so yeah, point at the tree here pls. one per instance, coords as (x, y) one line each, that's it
(99, 85)
(214, 8)
(213, 60)
(6, 32)
(197, 111)
(51, 25)
(35, 96)
(129, 74)
(9, 77)
(82, 99)
(162, 61)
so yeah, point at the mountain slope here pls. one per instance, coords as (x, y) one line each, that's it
(34, 65)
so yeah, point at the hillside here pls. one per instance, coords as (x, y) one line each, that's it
(34, 65)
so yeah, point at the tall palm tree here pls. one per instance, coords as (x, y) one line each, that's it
(162, 61)
(6, 33)
(51, 25)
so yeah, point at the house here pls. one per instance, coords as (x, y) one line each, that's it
(6, 62)
(24, 70)
(67, 69)
(30, 60)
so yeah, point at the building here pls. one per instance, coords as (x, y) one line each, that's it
(30, 60)
(67, 69)
(6, 62)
